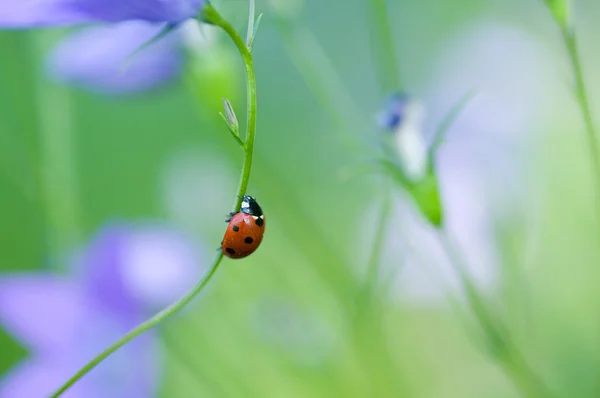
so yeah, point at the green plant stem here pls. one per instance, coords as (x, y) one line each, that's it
(245, 176)
(320, 75)
(378, 240)
(252, 105)
(583, 100)
(57, 172)
(382, 44)
(582, 97)
(499, 340)
(384, 53)
(143, 327)
(19, 163)
(179, 350)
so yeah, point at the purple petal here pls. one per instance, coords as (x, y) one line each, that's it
(42, 310)
(160, 264)
(131, 372)
(39, 377)
(33, 13)
(98, 58)
(127, 267)
(101, 266)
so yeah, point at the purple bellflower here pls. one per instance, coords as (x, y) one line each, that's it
(40, 13)
(64, 320)
(97, 58)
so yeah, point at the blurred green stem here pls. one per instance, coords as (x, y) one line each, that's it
(57, 166)
(560, 13)
(497, 335)
(319, 73)
(180, 351)
(373, 269)
(143, 327)
(583, 100)
(216, 19)
(382, 45)
(384, 53)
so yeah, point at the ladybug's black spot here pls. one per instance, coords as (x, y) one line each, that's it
(235, 228)
(248, 240)
(259, 222)
(230, 250)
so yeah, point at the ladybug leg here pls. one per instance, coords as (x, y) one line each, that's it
(230, 216)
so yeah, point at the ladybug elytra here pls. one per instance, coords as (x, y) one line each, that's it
(245, 230)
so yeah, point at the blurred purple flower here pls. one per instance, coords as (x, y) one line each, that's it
(149, 263)
(95, 58)
(64, 325)
(481, 165)
(36, 13)
(64, 320)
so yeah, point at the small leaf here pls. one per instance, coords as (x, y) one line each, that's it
(233, 132)
(426, 194)
(256, 25)
(251, 13)
(230, 117)
(231, 121)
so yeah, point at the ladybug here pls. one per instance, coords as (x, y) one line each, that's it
(245, 230)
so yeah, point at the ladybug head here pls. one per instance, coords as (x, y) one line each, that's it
(250, 206)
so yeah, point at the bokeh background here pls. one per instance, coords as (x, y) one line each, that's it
(125, 195)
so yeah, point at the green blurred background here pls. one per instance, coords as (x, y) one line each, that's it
(277, 323)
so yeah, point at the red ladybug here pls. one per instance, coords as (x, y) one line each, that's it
(245, 230)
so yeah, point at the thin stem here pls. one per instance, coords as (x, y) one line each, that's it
(246, 54)
(384, 53)
(383, 46)
(570, 40)
(320, 75)
(57, 165)
(245, 176)
(23, 168)
(506, 353)
(143, 327)
(182, 354)
(378, 239)
(583, 99)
